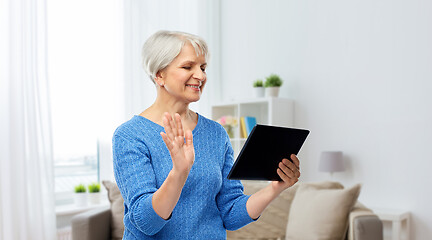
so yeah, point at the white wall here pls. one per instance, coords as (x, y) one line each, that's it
(360, 73)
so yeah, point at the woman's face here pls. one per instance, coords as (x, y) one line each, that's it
(185, 77)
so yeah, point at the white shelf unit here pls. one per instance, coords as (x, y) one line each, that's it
(269, 111)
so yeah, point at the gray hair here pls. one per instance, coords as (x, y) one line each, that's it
(162, 47)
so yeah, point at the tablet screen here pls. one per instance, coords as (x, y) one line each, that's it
(265, 147)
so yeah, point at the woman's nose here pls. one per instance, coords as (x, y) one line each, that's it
(199, 74)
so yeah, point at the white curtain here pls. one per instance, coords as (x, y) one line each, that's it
(143, 18)
(26, 164)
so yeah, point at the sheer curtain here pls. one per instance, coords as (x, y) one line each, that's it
(26, 165)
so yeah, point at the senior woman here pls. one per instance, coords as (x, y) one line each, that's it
(171, 164)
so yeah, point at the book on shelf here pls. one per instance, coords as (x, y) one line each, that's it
(250, 123)
(243, 132)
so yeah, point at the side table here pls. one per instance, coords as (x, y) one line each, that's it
(397, 218)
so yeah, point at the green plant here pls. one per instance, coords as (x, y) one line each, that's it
(94, 187)
(258, 83)
(273, 81)
(80, 188)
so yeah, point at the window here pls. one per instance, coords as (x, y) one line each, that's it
(83, 69)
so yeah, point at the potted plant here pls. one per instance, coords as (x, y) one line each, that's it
(272, 85)
(94, 193)
(259, 88)
(80, 195)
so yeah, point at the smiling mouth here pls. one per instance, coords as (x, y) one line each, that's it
(196, 87)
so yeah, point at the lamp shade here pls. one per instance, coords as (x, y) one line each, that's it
(331, 161)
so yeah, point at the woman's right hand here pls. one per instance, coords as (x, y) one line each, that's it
(179, 144)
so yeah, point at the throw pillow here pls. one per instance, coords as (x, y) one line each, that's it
(320, 214)
(117, 209)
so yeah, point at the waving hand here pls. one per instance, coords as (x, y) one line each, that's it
(179, 144)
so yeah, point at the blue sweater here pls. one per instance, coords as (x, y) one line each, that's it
(209, 203)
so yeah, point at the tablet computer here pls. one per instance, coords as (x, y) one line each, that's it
(263, 150)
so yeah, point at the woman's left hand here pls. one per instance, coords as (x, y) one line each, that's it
(289, 172)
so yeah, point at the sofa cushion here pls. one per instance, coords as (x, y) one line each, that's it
(273, 221)
(117, 210)
(318, 213)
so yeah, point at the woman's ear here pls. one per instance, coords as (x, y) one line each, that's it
(159, 74)
(159, 79)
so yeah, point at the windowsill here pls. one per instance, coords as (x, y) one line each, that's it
(72, 209)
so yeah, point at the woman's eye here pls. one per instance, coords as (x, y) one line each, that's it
(186, 67)
(203, 69)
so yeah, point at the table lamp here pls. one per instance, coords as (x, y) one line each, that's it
(331, 161)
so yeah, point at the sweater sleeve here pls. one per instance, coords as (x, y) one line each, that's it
(136, 180)
(230, 200)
